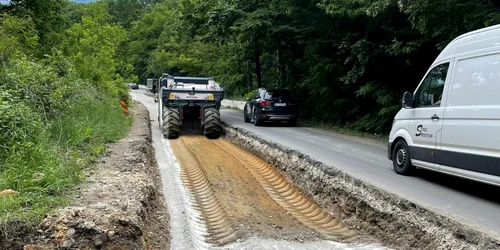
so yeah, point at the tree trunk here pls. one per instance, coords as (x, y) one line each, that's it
(257, 71)
(257, 61)
(282, 68)
(249, 77)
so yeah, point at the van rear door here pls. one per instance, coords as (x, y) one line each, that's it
(427, 117)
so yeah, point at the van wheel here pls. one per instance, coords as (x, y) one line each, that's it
(401, 159)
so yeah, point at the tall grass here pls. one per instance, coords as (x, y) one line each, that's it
(51, 162)
(57, 112)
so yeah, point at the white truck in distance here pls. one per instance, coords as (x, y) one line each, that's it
(151, 85)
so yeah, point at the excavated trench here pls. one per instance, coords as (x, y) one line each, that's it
(369, 212)
(240, 196)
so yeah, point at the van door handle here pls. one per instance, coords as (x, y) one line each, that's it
(435, 117)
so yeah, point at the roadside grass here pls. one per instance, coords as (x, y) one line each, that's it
(45, 171)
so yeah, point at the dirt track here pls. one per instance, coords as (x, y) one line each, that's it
(240, 196)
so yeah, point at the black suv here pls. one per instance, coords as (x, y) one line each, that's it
(271, 105)
(133, 85)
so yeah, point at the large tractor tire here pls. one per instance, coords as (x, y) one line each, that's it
(171, 123)
(212, 128)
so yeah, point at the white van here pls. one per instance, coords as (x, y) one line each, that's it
(451, 123)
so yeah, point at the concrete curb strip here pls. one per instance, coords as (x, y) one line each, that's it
(233, 104)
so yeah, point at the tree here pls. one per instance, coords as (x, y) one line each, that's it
(48, 18)
(92, 46)
(345, 59)
(18, 35)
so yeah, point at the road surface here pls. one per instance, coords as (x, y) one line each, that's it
(474, 204)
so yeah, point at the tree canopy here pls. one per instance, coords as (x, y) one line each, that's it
(347, 61)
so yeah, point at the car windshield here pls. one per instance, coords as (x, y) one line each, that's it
(273, 94)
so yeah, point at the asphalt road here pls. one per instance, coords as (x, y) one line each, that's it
(474, 204)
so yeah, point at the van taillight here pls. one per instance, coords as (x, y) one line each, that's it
(265, 103)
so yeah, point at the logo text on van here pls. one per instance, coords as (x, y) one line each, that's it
(422, 132)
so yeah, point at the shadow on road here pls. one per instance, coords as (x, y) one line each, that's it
(276, 124)
(477, 189)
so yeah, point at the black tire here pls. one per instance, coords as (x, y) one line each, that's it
(245, 115)
(163, 116)
(401, 159)
(171, 123)
(292, 122)
(212, 128)
(256, 120)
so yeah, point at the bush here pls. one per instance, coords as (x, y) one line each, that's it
(18, 125)
(52, 124)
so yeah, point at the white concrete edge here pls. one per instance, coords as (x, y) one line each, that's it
(233, 104)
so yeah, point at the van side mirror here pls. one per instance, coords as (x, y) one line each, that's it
(156, 100)
(408, 100)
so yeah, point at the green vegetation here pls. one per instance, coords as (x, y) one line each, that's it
(347, 61)
(61, 79)
(64, 66)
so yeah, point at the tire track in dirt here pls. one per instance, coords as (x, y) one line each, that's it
(250, 211)
(285, 194)
(206, 202)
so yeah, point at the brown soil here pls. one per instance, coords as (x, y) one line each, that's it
(247, 206)
(119, 206)
(245, 202)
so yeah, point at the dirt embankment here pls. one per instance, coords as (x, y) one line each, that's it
(119, 206)
(394, 221)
